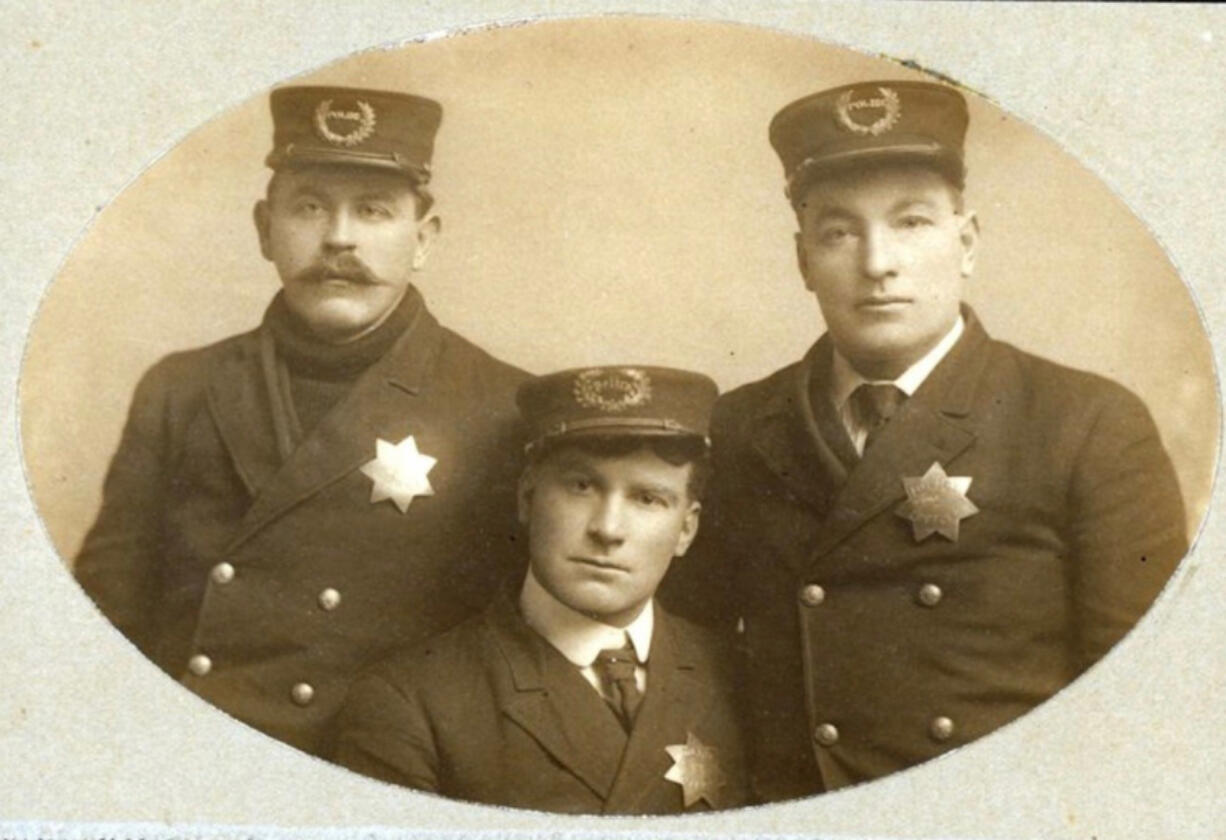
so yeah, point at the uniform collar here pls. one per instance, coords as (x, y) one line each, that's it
(307, 355)
(576, 636)
(844, 379)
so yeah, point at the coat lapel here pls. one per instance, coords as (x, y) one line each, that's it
(787, 438)
(549, 699)
(675, 702)
(381, 404)
(238, 401)
(929, 427)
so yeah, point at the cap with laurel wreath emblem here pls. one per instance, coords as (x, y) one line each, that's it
(340, 126)
(868, 122)
(617, 400)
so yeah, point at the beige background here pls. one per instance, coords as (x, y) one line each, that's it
(1130, 90)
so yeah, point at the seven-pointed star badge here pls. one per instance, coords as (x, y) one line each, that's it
(696, 768)
(936, 503)
(399, 472)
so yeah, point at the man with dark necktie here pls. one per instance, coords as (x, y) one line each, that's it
(922, 532)
(575, 692)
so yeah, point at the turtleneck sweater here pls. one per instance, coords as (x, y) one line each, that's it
(320, 373)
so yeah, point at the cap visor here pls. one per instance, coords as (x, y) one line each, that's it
(928, 153)
(333, 157)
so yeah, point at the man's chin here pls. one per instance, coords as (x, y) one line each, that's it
(887, 357)
(338, 325)
(339, 311)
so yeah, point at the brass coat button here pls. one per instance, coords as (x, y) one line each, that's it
(826, 734)
(812, 594)
(929, 595)
(200, 664)
(222, 573)
(329, 599)
(941, 728)
(302, 693)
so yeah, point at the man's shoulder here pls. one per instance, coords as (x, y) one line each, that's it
(770, 385)
(743, 403)
(189, 369)
(477, 362)
(238, 345)
(704, 646)
(439, 662)
(1050, 383)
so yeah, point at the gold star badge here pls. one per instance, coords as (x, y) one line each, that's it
(936, 503)
(696, 768)
(399, 472)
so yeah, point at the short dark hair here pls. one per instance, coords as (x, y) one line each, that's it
(677, 450)
(425, 200)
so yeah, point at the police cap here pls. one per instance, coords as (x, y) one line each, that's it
(354, 127)
(616, 401)
(869, 122)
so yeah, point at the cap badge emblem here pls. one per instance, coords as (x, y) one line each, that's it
(888, 103)
(612, 390)
(364, 117)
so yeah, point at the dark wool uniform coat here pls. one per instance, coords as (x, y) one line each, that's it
(491, 712)
(868, 650)
(322, 581)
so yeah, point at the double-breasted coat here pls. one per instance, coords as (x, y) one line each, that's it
(869, 649)
(490, 712)
(266, 585)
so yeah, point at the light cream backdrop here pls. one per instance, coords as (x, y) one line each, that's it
(608, 193)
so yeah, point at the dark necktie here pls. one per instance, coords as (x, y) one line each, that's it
(615, 668)
(873, 406)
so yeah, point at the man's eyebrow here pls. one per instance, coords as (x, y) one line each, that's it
(657, 489)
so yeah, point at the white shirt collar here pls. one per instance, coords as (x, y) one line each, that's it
(844, 379)
(576, 636)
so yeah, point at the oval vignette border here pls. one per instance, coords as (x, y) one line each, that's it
(773, 185)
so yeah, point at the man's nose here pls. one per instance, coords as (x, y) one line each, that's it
(339, 233)
(606, 526)
(878, 253)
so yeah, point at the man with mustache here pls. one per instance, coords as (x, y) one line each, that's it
(925, 532)
(288, 504)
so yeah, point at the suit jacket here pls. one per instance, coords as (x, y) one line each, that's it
(197, 481)
(491, 712)
(870, 650)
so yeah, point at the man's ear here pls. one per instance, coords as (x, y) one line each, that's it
(689, 529)
(523, 494)
(969, 235)
(260, 215)
(427, 231)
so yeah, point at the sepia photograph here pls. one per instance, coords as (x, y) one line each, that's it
(622, 416)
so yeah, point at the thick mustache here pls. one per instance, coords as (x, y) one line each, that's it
(345, 266)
